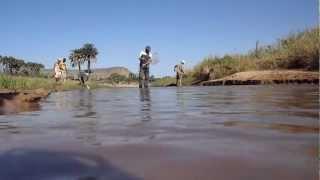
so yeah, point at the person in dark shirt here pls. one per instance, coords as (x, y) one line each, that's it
(145, 59)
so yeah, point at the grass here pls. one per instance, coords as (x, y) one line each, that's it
(22, 83)
(188, 79)
(158, 82)
(298, 50)
(30, 83)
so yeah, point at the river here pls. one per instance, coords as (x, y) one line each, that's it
(227, 132)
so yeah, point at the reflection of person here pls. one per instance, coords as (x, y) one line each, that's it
(145, 58)
(63, 68)
(145, 101)
(179, 69)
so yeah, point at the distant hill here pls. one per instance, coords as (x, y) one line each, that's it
(98, 74)
(104, 73)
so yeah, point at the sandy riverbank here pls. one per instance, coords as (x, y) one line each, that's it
(266, 77)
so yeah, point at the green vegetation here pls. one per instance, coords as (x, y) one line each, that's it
(16, 72)
(29, 83)
(116, 78)
(19, 82)
(296, 51)
(164, 81)
(14, 66)
(87, 54)
(188, 79)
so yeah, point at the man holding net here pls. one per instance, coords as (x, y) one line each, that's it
(145, 59)
(179, 69)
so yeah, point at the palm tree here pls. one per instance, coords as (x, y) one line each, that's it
(76, 58)
(89, 52)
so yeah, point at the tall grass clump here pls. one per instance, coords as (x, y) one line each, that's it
(24, 83)
(296, 51)
(164, 81)
(222, 66)
(29, 83)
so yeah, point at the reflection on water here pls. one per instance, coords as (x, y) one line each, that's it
(280, 127)
(86, 104)
(47, 165)
(122, 112)
(269, 124)
(138, 114)
(145, 100)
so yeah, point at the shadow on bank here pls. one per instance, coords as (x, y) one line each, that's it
(46, 165)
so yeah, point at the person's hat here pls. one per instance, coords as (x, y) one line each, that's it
(148, 47)
(183, 62)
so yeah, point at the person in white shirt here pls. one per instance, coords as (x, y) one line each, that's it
(179, 69)
(57, 70)
(145, 59)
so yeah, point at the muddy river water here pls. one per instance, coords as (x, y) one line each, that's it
(192, 133)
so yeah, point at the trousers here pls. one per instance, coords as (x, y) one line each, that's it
(144, 77)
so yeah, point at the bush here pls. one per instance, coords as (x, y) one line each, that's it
(29, 83)
(296, 51)
(14, 66)
(117, 78)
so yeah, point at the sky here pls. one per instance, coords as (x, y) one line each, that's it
(44, 30)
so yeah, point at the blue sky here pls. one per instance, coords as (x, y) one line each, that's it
(42, 30)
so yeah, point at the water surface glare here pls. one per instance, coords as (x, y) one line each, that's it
(232, 132)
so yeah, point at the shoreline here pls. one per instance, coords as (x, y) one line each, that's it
(13, 101)
(18, 100)
(266, 77)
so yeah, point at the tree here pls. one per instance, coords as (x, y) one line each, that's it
(117, 78)
(11, 65)
(31, 68)
(89, 53)
(76, 58)
(5, 61)
(133, 77)
(152, 78)
(14, 66)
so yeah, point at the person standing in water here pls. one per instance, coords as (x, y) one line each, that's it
(179, 69)
(145, 59)
(63, 68)
(57, 70)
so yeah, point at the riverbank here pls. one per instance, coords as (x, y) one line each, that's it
(21, 93)
(248, 78)
(266, 77)
(298, 50)
(20, 101)
(22, 83)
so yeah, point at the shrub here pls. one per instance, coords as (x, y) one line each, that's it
(296, 51)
